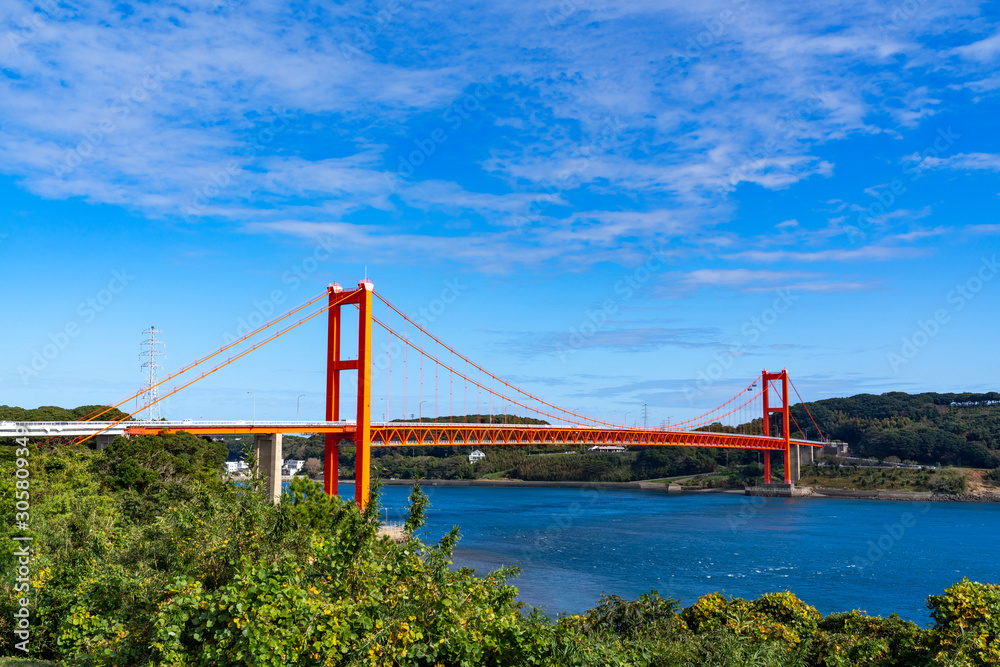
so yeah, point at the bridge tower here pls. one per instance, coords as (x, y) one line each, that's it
(362, 298)
(766, 379)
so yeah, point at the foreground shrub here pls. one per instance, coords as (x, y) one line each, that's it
(190, 569)
(966, 624)
(857, 640)
(772, 617)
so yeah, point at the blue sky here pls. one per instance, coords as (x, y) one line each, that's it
(641, 202)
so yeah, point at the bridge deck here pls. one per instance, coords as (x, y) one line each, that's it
(395, 434)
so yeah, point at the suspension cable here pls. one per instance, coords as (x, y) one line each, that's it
(468, 379)
(204, 359)
(220, 366)
(821, 436)
(480, 368)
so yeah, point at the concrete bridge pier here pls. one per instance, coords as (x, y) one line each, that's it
(103, 441)
(267, 448)
(794, 455)
(800, 455)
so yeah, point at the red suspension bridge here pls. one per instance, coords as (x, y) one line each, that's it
(757, 418)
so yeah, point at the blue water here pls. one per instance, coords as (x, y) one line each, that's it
(576, 544)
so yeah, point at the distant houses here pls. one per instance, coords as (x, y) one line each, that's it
(292, 466)
(289, 467)
(614, 449)
(476, 456)
(237, 467)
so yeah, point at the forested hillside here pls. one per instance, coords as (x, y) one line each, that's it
(953, 429)
(52, 413)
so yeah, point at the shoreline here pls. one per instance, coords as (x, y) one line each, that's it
(816, 492)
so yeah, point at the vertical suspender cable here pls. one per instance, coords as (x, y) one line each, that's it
(406, 372)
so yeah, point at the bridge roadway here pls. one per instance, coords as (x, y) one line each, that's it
(268, 446)
(413, 434)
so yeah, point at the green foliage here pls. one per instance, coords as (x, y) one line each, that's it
(948, 481)
(868, 478)
(148, 461)
(855, 639)
(183, 567)
(417, 514)
(778, 617)
(52, 413)
(657, 462)
(649, 616)
(966, 625)
(954, 429)
(601, 467)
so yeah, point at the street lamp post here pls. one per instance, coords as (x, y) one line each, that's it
(254, 422)
(626, 419)
(420, 410)
(297, 406)
(506, 405)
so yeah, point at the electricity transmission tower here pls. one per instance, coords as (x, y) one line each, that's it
(149, 349)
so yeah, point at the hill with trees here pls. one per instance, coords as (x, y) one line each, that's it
(951, 429)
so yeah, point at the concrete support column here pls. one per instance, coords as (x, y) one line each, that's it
(267, 448)
(812, 454)
(103, 440)
(794, 456)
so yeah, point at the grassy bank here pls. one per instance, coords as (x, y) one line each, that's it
(885, 479)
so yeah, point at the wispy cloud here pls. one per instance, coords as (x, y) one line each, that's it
(983, 230)
(619, 339)
(867, 253)
(764, 280)
(753, 105)
(964, 162)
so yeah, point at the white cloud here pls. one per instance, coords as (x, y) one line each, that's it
(764, 280)
(704, 98)
(964, 161)
(985, 50)
(983, 230)
(868, 253)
